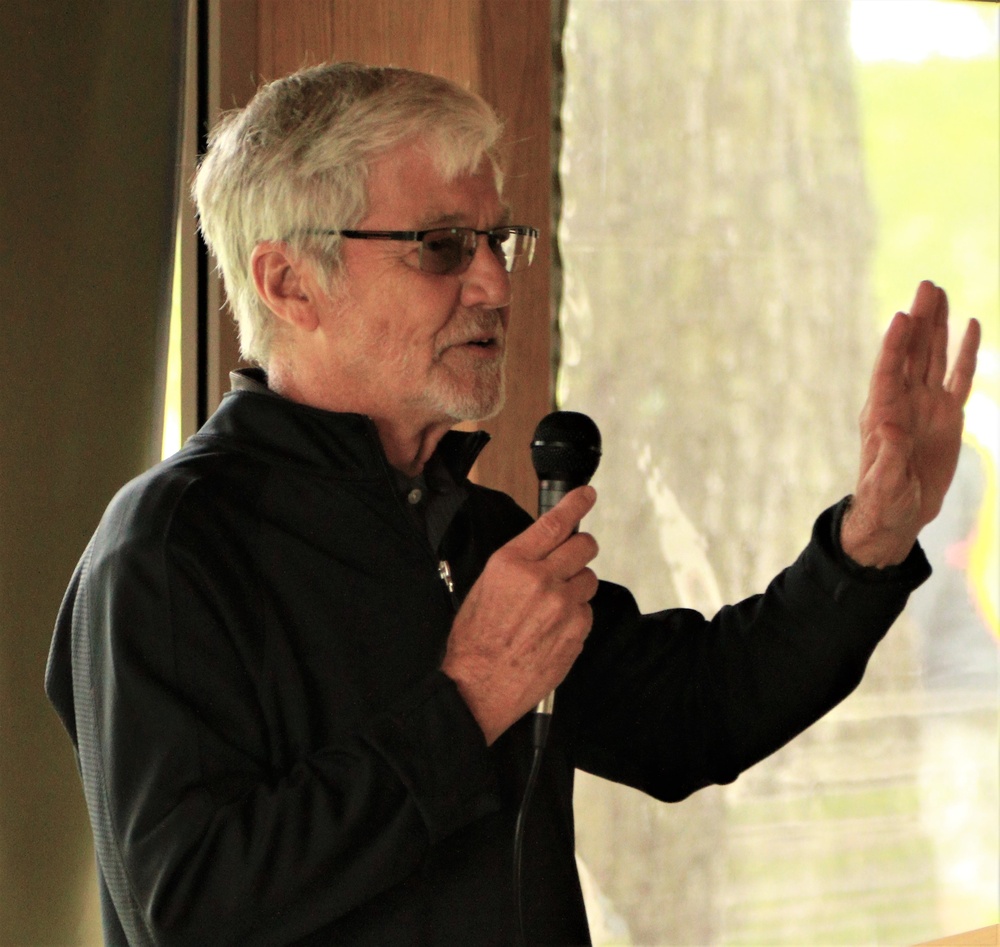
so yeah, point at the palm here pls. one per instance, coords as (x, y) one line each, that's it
(911, 426)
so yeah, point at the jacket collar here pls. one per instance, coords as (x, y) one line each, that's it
(344, 444)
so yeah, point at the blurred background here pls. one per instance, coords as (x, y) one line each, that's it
(742, 194)
(749, 192)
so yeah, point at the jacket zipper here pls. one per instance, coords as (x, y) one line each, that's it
(444, 571)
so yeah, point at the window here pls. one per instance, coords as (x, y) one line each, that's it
(749, 191)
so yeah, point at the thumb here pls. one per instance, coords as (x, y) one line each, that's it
(887, 490)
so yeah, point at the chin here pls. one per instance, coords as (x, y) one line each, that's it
(479, 405)
(489, 411)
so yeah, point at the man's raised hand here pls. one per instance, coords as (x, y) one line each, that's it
(911, 431)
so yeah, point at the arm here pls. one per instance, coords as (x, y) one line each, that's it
(692, 702)
(671, 702)
(218, 817)
(911, 430)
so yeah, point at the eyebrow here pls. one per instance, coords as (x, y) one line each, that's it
(457, 220)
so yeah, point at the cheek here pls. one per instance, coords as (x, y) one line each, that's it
(420, 319)
(402, 315)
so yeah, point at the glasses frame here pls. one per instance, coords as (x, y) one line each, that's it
(417, 236)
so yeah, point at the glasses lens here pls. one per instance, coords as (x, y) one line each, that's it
(513, 246)
(503, 244)
(446, 251)
(449, 252)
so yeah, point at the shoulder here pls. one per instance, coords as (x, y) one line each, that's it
(185, 500)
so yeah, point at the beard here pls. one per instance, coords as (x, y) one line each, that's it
(469, 381)
(476, 394)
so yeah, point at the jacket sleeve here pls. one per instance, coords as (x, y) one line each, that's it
(671, 702)
(200, 838)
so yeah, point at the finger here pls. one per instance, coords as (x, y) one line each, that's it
(572, 556)
(888, 374)
(552, 529)
(937, 364)
(583, 585)
(926, 300)
(960, 381)
(922, 315)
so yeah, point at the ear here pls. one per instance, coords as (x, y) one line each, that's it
(285, 284)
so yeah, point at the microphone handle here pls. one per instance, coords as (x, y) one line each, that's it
(550, 492)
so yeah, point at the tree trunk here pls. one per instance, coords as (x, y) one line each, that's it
(715, 237)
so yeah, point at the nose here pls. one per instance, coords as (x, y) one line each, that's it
(486, 283)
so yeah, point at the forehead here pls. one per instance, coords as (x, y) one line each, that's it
(406, 190)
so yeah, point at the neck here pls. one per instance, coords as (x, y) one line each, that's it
(406, 449)
(408, 444)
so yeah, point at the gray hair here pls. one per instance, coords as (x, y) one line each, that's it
(296, 159)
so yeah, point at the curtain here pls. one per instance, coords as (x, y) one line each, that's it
(88, 197)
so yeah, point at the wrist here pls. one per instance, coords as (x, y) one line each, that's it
(868, 544)
(469, 689)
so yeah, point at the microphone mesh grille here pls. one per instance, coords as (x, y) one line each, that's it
(566, 446)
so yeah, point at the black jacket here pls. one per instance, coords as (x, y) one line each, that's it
(247, 661)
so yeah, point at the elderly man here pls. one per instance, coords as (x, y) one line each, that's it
(298, 658)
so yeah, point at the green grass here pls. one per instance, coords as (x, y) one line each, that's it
(933, 162)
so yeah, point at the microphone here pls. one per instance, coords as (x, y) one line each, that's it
(565, 452)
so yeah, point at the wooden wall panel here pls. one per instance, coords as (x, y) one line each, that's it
(437, 36)
(515, 78)
(501, 50)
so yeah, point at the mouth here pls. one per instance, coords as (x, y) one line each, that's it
(483, 342)
(485, 348)
(488, 342)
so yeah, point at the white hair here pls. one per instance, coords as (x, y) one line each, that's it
(296, 160)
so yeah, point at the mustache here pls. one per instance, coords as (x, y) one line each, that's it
(477, 328)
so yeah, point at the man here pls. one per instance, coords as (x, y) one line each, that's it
(298, 659)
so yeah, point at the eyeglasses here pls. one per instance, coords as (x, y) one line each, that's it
(448, 251)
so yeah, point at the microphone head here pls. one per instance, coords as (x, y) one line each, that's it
(567, 447)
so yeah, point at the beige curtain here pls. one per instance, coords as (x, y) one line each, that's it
(91, 101)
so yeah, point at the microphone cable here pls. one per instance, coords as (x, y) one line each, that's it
(540, 735)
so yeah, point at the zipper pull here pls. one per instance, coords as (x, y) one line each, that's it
(444, 570)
